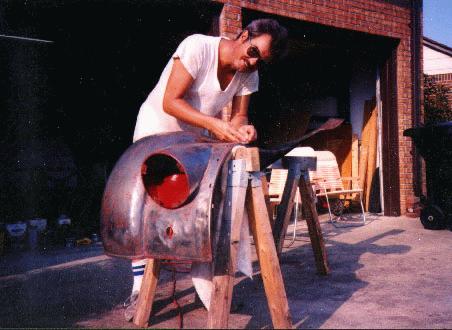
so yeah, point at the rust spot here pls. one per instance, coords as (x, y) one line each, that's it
(169, 232)
(144, 169)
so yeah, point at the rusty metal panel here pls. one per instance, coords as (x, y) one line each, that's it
(135, 226)
(185, 232)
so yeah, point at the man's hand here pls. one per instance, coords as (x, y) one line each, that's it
(249, 131)
(225, 131)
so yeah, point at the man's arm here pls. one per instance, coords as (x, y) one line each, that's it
(239, 117)
(174, 104)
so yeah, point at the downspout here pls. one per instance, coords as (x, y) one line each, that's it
(416, 69)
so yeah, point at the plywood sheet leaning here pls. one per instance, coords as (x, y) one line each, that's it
(346, 148)
(339, 142)
(372, 155)
(367, 136)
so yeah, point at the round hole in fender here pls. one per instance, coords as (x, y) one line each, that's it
(165, 181)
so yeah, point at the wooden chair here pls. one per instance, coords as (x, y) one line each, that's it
(327, 182)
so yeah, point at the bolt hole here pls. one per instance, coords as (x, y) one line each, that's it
(169, 232)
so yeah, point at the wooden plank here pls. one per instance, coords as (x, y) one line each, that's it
(220, 304)
(268, 259)
(223, 280)
(365, 137)
(223, 283)
(147, 292)
(251, 156)
(346, 168)
(315, 231)
(372, 155)
(355, 160)
(341, 147)
(264, 183)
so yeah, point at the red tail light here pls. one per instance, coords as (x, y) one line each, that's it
(165, 181)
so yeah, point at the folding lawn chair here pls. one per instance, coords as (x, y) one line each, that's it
(327, 182)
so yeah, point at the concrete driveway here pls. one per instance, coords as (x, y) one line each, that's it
(391, 273)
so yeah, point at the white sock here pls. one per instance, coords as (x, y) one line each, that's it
(138, 271)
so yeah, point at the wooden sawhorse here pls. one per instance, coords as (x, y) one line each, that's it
(244, 188)
(298, 176)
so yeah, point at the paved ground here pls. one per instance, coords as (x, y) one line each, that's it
(391, 273)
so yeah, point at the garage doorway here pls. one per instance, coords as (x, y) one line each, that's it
(331, 72)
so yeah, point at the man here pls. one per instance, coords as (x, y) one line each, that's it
(202, 77)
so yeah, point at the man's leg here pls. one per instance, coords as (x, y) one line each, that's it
(130, 304)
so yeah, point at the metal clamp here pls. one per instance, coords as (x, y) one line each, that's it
(237, 175)
(255, 178)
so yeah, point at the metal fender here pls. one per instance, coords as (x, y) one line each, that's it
(137, 222)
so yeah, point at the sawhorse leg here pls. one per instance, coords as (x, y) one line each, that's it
(226, 255)
(223, 280)
(268, 258)
(285, 208)
(147, 292)
(298, 177)
(312, 220)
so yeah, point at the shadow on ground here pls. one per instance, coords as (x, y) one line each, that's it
(59, 298)
(66, 287)
(314, 298)
(81, 294)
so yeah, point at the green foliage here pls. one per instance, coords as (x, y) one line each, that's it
(436, 104)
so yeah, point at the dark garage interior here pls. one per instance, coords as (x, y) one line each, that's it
(319, 66)
(69, 105)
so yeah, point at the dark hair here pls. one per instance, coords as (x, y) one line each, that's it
(275, 30)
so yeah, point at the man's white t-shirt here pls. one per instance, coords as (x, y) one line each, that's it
(199, 55)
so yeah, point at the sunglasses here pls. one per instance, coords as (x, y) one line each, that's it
(253, 51)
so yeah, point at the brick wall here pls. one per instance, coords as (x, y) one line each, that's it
(445, 79)
(390, 18)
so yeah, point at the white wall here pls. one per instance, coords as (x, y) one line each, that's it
(362, 88)
(436, 62)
